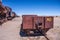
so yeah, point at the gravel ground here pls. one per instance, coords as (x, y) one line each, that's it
(10, 31)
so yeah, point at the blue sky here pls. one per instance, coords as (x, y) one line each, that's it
(35, 7)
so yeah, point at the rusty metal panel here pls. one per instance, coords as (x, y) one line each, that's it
(28, 21)
(34, 20)
(49, 22)
(39, 19)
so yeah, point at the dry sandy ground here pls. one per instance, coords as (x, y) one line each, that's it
(10, 31)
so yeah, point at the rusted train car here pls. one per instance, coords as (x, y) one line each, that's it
(33, 25)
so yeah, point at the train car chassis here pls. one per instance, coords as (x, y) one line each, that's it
(31, 32)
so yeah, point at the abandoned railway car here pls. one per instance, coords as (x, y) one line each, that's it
(33, 25)
(6, 13)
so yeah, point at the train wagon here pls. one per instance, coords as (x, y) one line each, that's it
(33, 25)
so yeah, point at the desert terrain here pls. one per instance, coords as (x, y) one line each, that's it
(10, 30)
